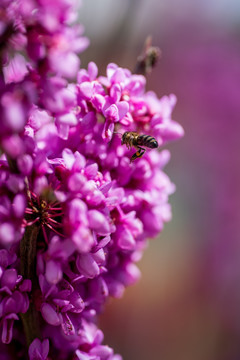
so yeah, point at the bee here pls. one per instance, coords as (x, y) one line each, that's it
(130, 138)
(148, 59)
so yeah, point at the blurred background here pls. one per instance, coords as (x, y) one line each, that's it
(187, 304)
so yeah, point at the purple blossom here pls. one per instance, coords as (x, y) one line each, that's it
(12, 210)
(13, 294)
(16, 70)
(75, 214)
(41, 32)
(38, 350)
(58, 303)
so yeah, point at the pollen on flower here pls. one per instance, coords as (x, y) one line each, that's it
(46, 214)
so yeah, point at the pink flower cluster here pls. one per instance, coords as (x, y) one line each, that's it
(67, 186)
(38, 53)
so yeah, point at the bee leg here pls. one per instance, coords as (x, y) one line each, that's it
(138, 154)
(141, 151)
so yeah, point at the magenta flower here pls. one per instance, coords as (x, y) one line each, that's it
(75, 213)
(13, 294)
(38, 350)
(12, 210)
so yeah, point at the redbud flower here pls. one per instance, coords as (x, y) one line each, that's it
(75, 213)
(38, 350)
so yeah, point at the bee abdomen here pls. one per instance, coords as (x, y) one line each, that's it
(148, 141)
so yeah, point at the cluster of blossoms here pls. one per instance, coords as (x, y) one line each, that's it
(75, 214)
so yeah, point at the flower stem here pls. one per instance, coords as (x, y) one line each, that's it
(28, 248)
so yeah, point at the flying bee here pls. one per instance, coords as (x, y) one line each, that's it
(148, 59)
(130, 138)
